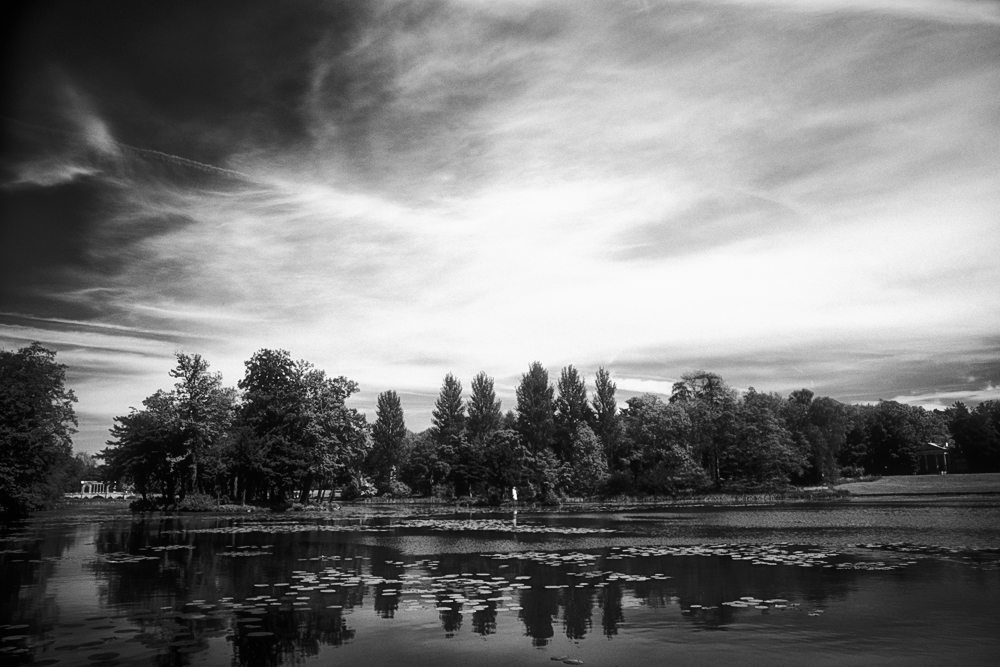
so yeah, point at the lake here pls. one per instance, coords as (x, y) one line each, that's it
(861, 582)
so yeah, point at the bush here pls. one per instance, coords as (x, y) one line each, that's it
(443, 491)
(143, 505)
(619, 484)
(398, 489)
(358, 487)
(282, 506)
(852, 472)
(198, 502)
(673, 479)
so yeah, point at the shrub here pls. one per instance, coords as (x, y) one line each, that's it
(142, 505)
(358, 487)
(852, 472)
(444, 491)
(398, 489)
(198, 502)
(673, 479)
(619, 484)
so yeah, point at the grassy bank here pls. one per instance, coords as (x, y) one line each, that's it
(918, 485)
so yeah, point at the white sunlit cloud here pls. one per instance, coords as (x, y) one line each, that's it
(616, 184)
(945, 399)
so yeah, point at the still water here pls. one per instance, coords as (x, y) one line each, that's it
(859, 583)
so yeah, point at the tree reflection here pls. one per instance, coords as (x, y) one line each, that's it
(540, 606)
(145, 565)
(386, 600)
(612, 614)
(484, 621)
(288, 637)
(577, 612)
(451, 621)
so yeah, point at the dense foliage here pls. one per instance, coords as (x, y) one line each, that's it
(706, 436)
(286, 431)
(36, 426)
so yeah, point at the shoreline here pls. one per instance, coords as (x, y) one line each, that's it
(910, 488)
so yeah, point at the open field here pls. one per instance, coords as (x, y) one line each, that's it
(926, 485)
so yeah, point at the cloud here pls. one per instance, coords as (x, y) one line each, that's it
(945, 399)
(781, 192)
(957, 11)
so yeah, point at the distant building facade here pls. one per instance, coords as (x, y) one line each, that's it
(934, 458)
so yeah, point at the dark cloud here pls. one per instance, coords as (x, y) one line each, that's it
(45, 235)
(182, 77)
(72, 221)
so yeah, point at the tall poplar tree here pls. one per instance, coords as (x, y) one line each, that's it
(448, 416)
(572, 411)
(536, 410)
(448, 419)
(388, 436)
(607, 423)
(485, 416)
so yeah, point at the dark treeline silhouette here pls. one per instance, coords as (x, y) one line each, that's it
(37, 423)
(289, 431)
(286, 431)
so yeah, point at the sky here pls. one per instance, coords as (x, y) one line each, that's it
(789, 193)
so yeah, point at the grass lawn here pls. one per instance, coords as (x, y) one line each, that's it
(926, 484)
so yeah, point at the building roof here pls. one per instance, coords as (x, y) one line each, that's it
(934, 448)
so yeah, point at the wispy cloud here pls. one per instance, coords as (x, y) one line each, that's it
(958, 11)
(788, 193)
(945, 399)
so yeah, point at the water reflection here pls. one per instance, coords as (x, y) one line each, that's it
(165, 594)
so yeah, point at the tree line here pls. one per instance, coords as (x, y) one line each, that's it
(286, 430)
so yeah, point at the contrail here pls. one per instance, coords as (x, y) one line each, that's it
(159, 155)
(184, 161)
(100, 326)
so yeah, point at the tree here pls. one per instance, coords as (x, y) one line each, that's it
(763, 453)
(589, 465)
(388, 440)
(424, 468)
(854, 453)
(204, 414)
(485, 416)
(894, 432)
(701, 386)
(828, 422)
(147, 448)
(300, 425)
(81, 467)
(795, 412)
(244, 456)
(337, 438)
(536, 427)
(536, 409)
(711, 406)
(572, 409)
(655, 437)
(977, 434)
(606, 422)
(448, 416)
(507, 463)
(448, 419)
(37, 423)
